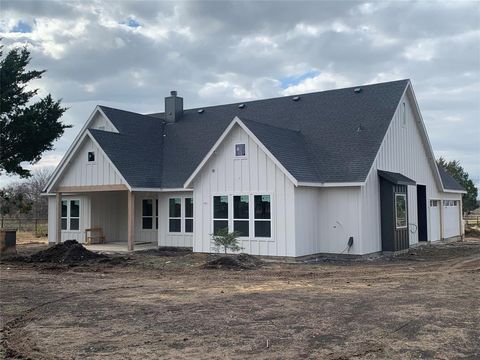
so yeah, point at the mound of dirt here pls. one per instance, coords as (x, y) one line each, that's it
(68, 252)
(234, 262)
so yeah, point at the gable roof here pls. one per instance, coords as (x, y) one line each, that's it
(136, 150)
(341, 130)
(323, 137)
(449, 183)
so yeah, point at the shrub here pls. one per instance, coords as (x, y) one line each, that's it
(227, 240)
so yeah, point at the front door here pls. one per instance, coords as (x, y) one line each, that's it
(422, 212)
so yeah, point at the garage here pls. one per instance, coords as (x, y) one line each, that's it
(451, 222)
(434, 225)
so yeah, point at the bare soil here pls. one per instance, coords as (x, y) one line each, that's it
(423, 304)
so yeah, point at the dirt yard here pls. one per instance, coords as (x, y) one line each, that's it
(424, 304)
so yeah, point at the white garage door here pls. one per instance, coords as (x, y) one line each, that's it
(434, 225)
(451, 220)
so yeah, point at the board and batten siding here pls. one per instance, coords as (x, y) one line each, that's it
(325, 218)
(84, 221)
(80, 172)
(109, 211)
(402, 151)
(256, 174)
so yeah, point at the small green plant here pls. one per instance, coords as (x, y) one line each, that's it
(226, 240)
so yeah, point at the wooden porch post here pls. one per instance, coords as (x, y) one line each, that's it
(58, 237)
(131, 220)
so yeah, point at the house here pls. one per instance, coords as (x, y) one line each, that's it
(347, 171)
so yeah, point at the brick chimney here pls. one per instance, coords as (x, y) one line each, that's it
(173, 107)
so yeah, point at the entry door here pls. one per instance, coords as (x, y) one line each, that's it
(422, 212)
(434, 220)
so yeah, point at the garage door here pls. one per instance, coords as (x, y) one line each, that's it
(434, 220)
(451, 218)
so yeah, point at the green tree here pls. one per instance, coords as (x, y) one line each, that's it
(454, 168)
(27, 128)
(227, 240)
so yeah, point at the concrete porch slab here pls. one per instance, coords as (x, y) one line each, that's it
(119, 247)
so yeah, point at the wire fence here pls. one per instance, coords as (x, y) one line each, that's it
(38, 226)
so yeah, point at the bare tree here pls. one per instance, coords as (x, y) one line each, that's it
(25, 197)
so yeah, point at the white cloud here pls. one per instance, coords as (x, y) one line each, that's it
(130, 54)
(323, 81)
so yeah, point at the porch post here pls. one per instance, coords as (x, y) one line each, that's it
(131, 220)
(58, 237)
(460, 212)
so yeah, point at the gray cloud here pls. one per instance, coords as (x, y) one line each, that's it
(217, 52)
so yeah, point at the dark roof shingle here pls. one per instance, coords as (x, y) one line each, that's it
(328, 136)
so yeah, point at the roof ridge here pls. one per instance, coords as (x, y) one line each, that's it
(285, 96)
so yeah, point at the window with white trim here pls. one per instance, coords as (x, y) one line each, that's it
(263, 222)
(241, 218)
(251, 215)
(70, 216)
(433, 203)
(175, 215)
(240, 150)
(404, 115)
(400, 211)
(147, 214)
(91, 156)
(188, 215)
(220, 213)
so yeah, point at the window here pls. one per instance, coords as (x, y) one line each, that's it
(400, 211)
(175, 215)
(70, 217)
(240, 150)
(188, 215)
(220, 213)
(404, 115)
(91, 156)
(262, 216)
(147, 214)
(433, 203)
(241, 221)
(455, 202)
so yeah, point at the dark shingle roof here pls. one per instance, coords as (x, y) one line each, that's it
(395, 178)
(136, 150)
(449, 183)
(329, 136)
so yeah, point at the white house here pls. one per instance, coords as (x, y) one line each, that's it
(345, 171)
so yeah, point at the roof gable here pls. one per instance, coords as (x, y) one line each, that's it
(324, 137)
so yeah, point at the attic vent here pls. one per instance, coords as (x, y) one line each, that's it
(296, 98)
(360, 128)
(200, 111)
(241, 106)
(357, 90)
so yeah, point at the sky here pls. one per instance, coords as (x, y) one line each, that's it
(130, 54)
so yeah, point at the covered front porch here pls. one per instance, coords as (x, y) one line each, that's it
(113, 211)
(127, 220)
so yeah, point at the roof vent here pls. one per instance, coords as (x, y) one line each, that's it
(241, 106)
(296, 98)
(357, 90)
(200, 111)
(360, 128)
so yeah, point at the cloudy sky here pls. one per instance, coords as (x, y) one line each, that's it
(130, 54)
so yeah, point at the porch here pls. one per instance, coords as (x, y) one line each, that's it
(128, 219)
(120, 247)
